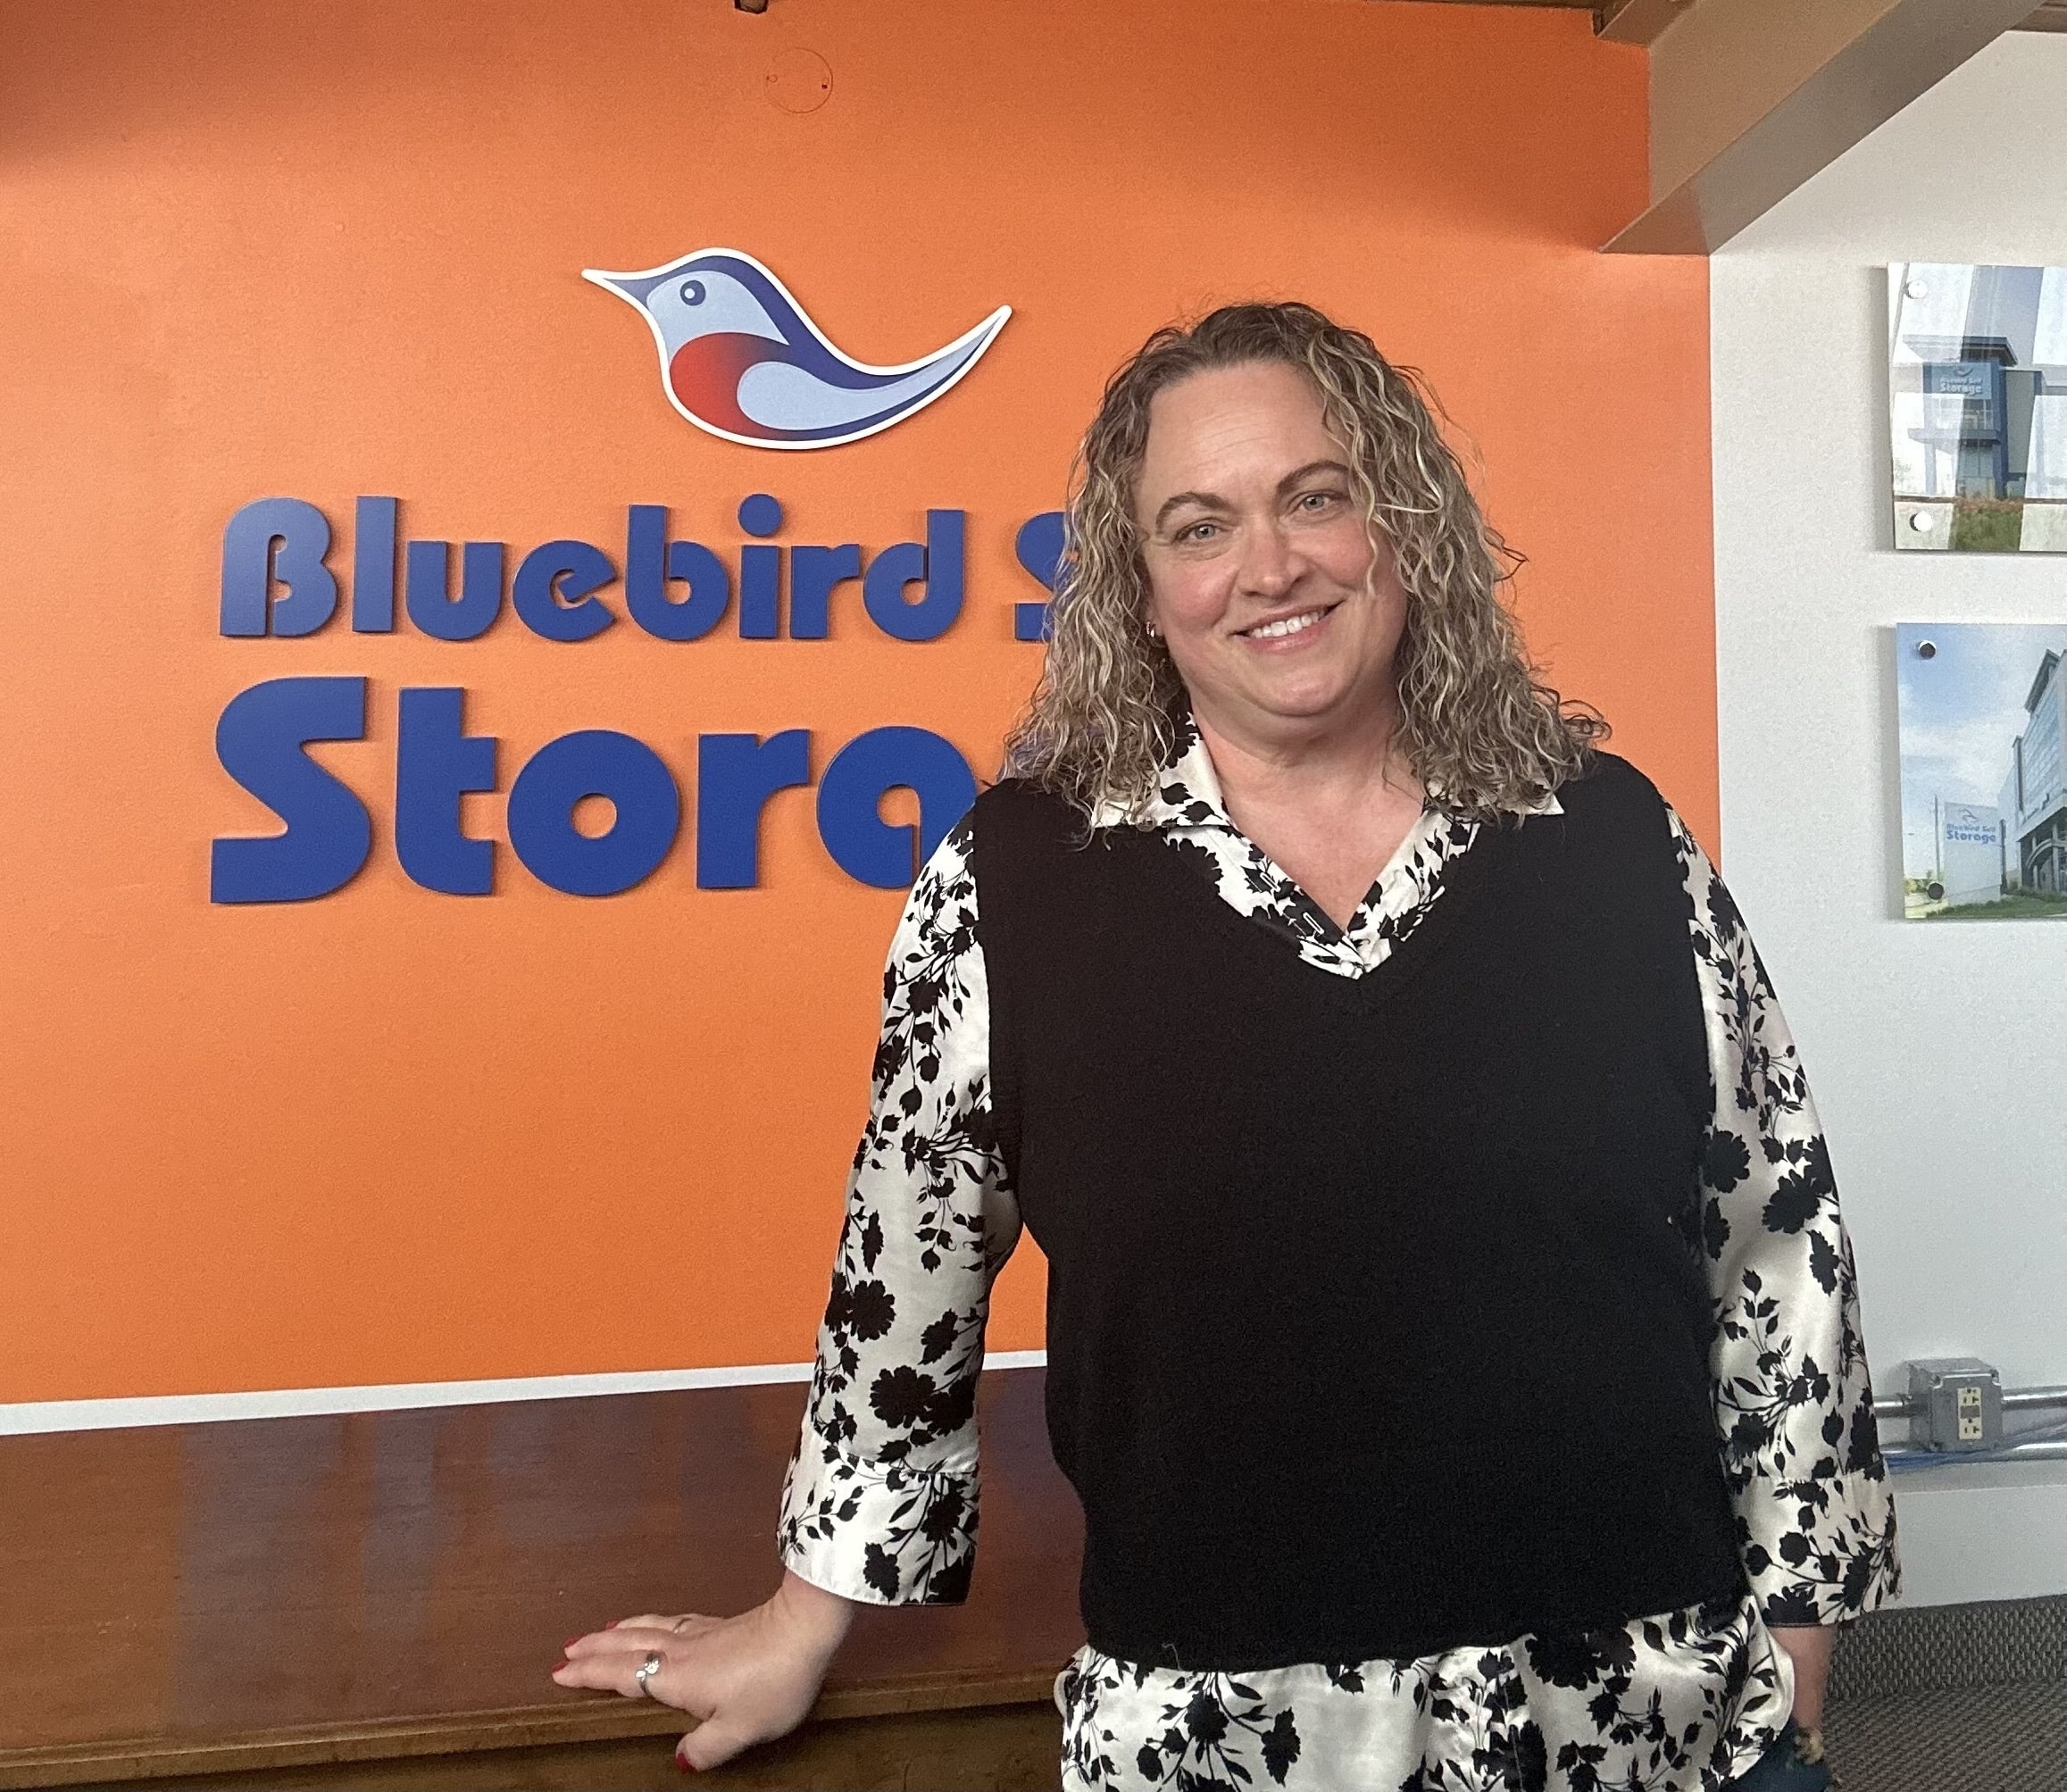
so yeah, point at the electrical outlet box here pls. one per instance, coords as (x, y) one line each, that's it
(1959, 1403)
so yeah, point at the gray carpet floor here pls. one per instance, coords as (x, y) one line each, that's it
(1983, 1739)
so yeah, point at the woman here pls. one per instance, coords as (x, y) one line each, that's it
(1452, 1331)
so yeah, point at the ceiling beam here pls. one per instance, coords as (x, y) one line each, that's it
(1636, 21)
(1643, 22)
(1751, 97)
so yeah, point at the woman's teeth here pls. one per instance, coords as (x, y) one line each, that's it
(1291, 625)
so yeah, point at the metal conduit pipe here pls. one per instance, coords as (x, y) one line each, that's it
(2045, 1443)
(1901, 1460)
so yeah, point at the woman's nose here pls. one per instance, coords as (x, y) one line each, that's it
(1269, 562)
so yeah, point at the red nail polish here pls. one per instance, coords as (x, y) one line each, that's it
(569, 1644)
(682, 1766)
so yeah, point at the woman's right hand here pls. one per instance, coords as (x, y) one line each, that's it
(747, 1679)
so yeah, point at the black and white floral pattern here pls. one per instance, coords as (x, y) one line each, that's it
(881, 1502)
(1672, 1701)
(1815, 1519)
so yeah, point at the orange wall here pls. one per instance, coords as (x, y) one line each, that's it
(319, 251)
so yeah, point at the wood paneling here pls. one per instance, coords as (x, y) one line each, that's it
(283, 1593)
(994, 1748)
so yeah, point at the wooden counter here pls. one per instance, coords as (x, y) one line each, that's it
(377, 1599)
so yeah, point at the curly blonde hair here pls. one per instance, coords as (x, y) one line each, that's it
(1480, 728)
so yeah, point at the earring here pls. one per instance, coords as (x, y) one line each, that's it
(1154, 634)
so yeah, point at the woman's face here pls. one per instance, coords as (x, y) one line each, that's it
(1280, 612)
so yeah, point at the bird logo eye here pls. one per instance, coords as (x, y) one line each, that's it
(692, 292)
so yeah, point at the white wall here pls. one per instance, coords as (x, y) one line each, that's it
(1937, 1053)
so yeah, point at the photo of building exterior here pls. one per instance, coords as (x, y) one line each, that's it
(2034, 798)
(1977, 395)
(1983, 720)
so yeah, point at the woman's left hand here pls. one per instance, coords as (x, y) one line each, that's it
(747, 1679)
(1809, 1647)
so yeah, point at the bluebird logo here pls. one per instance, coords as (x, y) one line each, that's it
(740, 358)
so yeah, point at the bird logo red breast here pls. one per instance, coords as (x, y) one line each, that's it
(740, 358)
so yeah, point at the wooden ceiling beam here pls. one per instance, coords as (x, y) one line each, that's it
(1751, 97)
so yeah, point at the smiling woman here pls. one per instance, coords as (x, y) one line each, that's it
(1281, 611)
(1452, 1331)
(1394, 516)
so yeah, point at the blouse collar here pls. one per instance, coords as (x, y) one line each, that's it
(1187, 808)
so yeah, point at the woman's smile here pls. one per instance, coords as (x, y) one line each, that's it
(1291, 630)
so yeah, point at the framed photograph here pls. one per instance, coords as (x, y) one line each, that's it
(1983, 718)
(1977, 401)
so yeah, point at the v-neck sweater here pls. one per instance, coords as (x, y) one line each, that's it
(1375, 1315)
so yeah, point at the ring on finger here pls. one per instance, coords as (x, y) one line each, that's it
(645, 1671)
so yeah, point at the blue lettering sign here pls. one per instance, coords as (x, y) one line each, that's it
(276, 541)
(652, 562)
(431, 605)
(552, 592)
(259, 739)
(1039, 549)
(594, 763)
(850, 795)
(277, 579)
(937, 566)
(736, 775)
(436, 763)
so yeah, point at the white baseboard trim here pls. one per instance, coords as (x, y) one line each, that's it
(193, 1409)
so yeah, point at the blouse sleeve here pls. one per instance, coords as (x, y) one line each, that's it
(879, 1501)
(1815, 1519)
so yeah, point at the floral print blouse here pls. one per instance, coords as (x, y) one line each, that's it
(881, 1502)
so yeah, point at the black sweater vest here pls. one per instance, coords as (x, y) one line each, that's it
(1375, 1323)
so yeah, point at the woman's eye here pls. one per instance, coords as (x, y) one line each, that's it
(1314, 503)
(1197, 531)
